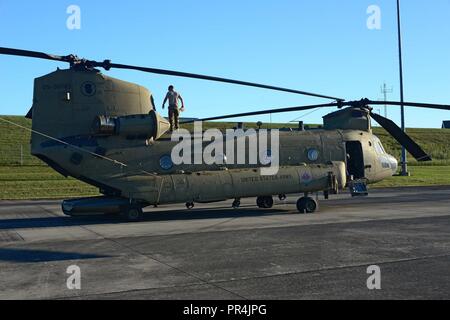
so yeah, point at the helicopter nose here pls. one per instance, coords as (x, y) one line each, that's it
(394, 164)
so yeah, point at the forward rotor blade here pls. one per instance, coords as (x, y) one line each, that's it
(31, 54)
(279, 110)
(217, 79)
(414, 149)
(412, 104)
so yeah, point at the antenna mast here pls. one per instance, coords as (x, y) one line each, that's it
(385, 90)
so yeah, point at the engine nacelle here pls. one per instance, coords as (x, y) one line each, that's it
(140, 126)
(348, 119)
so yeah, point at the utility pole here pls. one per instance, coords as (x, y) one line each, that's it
(404, 159)
(385, 91)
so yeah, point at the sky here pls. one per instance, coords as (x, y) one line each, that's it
(323, 46)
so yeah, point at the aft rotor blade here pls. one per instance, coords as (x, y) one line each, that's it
(31, 54)
(413, 148)
(269, 111)
(29, 114)
(107, 65)
(217, 79)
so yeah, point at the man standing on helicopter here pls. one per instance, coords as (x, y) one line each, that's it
(172, 96)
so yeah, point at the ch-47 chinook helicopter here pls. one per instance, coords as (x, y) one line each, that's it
(105, 132)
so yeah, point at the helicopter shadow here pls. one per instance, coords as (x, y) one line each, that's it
(211, 213)
(149, 216)
(180, 214)
(33, 256)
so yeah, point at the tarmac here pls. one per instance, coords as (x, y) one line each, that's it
(216, 252)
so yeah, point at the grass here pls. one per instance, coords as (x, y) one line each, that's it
(34, 180)
(434, 141)
(15, 141)
(39, 182)
(420, 176)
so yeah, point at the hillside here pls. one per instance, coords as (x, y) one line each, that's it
(34, 180)
(15, 148)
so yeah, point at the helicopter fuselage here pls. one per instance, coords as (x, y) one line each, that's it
(130, 156)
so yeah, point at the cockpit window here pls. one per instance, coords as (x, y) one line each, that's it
(379, 147)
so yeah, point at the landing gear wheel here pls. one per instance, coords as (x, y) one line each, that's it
(189, 205)
(132, 213)
(236, 203)
(259, 202)
(264, 202)
(307, 205)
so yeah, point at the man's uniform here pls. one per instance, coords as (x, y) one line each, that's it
(174, 112)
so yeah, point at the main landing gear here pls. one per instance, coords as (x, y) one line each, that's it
(132, 213)
(307, 205)
(189, 205)
(265, 202)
